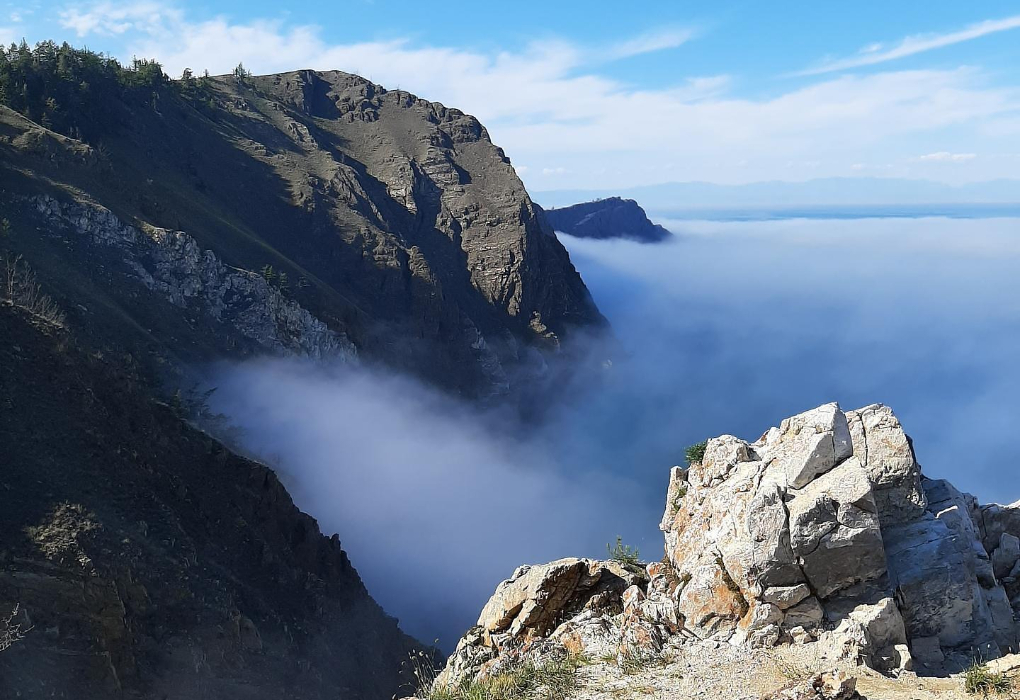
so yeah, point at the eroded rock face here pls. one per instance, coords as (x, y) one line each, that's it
(569, 601)
(822, 531)
(172, 264)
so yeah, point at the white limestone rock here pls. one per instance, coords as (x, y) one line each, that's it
(809, 444)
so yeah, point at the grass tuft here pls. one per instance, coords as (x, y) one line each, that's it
(624, 554)
(550, 681)
(980, 680)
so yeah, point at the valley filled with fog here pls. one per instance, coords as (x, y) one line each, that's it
(727, 329)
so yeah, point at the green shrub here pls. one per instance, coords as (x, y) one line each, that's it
(623, 553)
(978, 679)
(695, 453)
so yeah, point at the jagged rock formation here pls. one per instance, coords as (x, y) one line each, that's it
(607, 218)
(822, 532)
(404, 233)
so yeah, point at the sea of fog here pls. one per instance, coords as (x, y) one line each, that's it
(727, 329)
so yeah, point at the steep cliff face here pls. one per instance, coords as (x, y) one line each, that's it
(612, 217)
(151, 562)
(395, 221)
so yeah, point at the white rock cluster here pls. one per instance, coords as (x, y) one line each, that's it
(823, 531)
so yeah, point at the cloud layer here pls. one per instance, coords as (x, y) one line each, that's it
(731, 328)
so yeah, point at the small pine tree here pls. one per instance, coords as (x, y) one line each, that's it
(241, 73)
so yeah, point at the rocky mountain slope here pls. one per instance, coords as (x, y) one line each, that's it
(151, 562)
(821, 545)
(393, 223)
(607, 218)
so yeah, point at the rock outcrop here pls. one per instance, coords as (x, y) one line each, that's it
(607, 218)
(171, 264)
(823, 531)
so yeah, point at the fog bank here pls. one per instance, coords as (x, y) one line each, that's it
(728, 329)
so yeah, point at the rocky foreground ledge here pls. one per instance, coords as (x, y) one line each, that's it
(822, 540)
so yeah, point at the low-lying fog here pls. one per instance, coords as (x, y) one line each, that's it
(728, 329)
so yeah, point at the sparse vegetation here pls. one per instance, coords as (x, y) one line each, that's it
(193, 403)
(623, 553)
(275, 278)
(10, 631)
(20, 287)
(241, 73)
(75, 92)
(552, 680)
(631, 662)
(980, 680)
(695, 453)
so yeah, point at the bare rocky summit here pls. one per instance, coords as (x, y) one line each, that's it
(821, 539)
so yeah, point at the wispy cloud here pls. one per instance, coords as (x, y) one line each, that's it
(878, 53)
(111, 18)
(649, 43)
(947, 157)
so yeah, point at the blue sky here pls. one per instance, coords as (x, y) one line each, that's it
(602, 94)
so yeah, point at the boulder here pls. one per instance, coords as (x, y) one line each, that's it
(786, 596)
(885, 452)
(563, 606)
(871, 633)
(835, 531)
(1006, 555)
(936, 586)
(531, 603)
(809, 444)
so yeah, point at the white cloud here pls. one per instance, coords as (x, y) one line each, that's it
(108, 18)
(547, 105)
(7, 36)
(651, 42)
(947, 157)
(877, 53)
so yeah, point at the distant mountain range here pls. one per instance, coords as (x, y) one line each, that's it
(836, 191)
